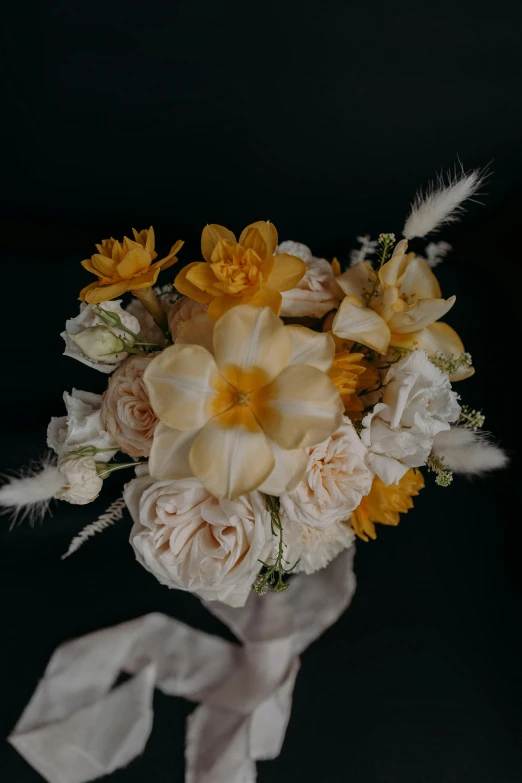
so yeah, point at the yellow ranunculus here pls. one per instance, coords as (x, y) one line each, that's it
(403, 313)
(386, 503)
(125, 266)
(244, 272)
(240, 409)
(352, 375)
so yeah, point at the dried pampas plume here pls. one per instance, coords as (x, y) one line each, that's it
(442, 202)
(28, 494)
(105, 520)
(469, 452)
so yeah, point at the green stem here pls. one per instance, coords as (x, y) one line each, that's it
(104, 473)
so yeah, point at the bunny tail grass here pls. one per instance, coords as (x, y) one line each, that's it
(28, 493)
(105, 520)
(442, 202)
(468, 452)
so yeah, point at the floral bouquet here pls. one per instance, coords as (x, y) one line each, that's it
(272, 406)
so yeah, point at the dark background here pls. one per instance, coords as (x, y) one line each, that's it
(324, 119)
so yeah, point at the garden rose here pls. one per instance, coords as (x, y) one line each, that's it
(314, 548)
(192, 541)
(417, 404)
(315, 294)
(82, 483)
(126, 408)
(183, 311)
(336, 479)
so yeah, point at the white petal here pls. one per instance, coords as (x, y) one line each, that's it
(361, 324)
(356, 279)
(169, 455)
(317, 349)
(290, 466)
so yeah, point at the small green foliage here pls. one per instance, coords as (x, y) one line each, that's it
(272, 577)
(443, 476)
(452, 364)
(471, 418)
(384, 251)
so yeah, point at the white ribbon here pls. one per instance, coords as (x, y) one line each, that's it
(77, 727)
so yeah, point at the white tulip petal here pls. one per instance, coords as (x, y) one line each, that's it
(254, 341)
(231, 455)
(290, 466)
(317, 349)
(169, 456)
(181, 383)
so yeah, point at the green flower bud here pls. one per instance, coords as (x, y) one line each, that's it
(99, 344)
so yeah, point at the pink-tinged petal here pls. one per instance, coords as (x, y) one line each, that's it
(316, 349)
(300, 408)
(169, 455)
(199, 330)
(183, 386)
(231, 456)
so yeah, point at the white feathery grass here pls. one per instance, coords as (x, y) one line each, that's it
(105, 520)
(27, 494)
(442, 202)
(467, 451)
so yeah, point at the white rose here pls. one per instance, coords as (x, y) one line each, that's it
(315, 294)
(81, 427)
(314, 548)
(87, 319)
(336, 479)
(82, 483)
(192, 541)
(417, 404)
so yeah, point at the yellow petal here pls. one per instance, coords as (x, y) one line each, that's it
(419, 281)
(182, 383)
(390, 272)
(198, 331)
(201, 276)
(135, 261)
(422, 314)
(361, 324)
(300, 408)
(100, 265)
(186, 288)
(94, 294)
(286, 272)
(231, 456)
(169, 455)
(316, 349)
(210, 237)
(222, 304)
(146, 280)
(268, 233)
(290, 466)
(267, 297)
(251, 346)
(437, 338)
(336, 267)
(356, 279)
(251, 239)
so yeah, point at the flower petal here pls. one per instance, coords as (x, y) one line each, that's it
(169, 455)
(290, 466)
(146, 280)
(422, 314)
(268, 233)
(419, 281)
(437, 338)
(134, 262)
(171, 257)
(99, 265)
(286, 272)
(95, 293)
(300, 408)
(222, 304)
(202, 277)
(186, 288)
(266, 297)
(357, 278)
(183, 385)
(361, 324)
(199, 330)
(251, 346)
(231, 456)
(316, 349)
(211, 235)
(252, 239)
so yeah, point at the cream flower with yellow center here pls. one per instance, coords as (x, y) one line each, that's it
(239, 411)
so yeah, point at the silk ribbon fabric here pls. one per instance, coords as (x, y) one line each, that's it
(77, 727)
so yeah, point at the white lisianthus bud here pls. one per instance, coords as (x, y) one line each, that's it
(100, 344)
(82, 484)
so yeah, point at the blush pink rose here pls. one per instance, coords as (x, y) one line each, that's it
(182, 311)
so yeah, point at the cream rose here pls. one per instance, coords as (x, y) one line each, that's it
(315, 294)
(314, 548)
(417, 403)
(336, 479)
(81, 427)
(190, 540)
(82, 483)
(183, 311)
(126, 408)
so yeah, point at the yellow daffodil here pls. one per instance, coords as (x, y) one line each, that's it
(351, 375)
(385, 504)
(244, 272)
(125, 266)
(239, 410)
(400, 308)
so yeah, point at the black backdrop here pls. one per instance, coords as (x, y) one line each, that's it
(324, 119)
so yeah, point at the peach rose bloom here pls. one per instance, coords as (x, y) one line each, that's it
(126, 408)
(182, 311)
